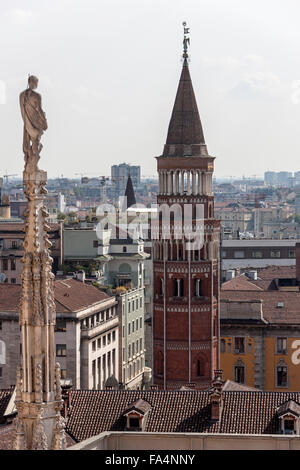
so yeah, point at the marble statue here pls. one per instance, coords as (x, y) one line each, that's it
(35, 124)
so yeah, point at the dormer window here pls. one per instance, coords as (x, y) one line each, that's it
(134, 423)
(289, 413)
(289, 426)
(136, 415)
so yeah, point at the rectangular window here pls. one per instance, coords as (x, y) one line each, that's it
(281, 345)
(275, 253)
(0, 324)
(123, 331)
(94, 346)
(239, 254)
(108, 338)
(141, 344)
(129, 351)
(239, 374)
(133, 327)
(137, 324)
(95, 243)
(5, 264)
(223, 345)
(281, 376)
(13, 280)
(229, 347)
(257, 254)
(292, 254)
(61, 325)
(137, 303)
(239, 345)
(129, 328)
(133, 349)
(13, 264)
(114, 336)
(141, 322)
(61, 350)
(141, 302)
(1, 372)
(99, 343)
(63, 373)
(104, 340)
(289, 426)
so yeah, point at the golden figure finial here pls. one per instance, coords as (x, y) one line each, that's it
(186, 40)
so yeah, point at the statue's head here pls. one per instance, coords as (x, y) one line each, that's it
(33, 82)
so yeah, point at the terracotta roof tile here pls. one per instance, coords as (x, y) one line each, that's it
(240, 283)
(70, 296)
(244, 412)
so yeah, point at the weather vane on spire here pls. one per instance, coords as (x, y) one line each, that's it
(186, 40)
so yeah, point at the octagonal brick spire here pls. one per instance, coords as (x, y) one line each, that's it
(185, 133)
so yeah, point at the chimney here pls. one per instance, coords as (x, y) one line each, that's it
(298, 262)
(191, 385)
(216, 398)
(153, 387)
(80, 276)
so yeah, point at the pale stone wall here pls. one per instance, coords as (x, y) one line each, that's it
(187, 441)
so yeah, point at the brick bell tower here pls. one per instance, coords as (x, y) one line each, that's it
(186, 276)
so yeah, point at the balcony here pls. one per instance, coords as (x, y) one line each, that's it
(99, 327)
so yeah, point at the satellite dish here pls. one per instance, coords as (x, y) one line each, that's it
(2, 277)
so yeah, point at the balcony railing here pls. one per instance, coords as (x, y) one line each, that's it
(94, 329)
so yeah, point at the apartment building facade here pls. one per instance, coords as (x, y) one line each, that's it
(86, 334)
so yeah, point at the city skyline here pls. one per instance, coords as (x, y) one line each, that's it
(247, 90)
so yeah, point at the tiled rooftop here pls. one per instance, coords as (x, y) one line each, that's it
(70, 296)
(280, 307)
(244, 412)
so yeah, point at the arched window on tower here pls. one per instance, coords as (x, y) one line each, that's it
(181, 288)
(178, 287)
(175, 288)
(160, 363)
(197, 288)
(199, 366)
(161, 287)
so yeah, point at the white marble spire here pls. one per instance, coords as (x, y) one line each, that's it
(39, 424)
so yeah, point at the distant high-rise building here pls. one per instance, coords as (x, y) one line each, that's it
(297, 178)
(271, 177)
(281, 178)
(119, 176)
(284, 178)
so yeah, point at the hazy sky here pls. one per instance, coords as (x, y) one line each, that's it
(109, 71)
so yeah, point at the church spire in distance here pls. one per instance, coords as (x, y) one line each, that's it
(185, 134)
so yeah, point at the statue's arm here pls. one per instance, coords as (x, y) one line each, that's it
(39, 97)
(22, 106)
